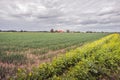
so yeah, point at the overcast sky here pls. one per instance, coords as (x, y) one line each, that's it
(79, 15)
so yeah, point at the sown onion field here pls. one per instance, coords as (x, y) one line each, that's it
(24, 50)
(99, 60)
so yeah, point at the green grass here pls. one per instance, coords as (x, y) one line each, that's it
(15, 45)
(41, 43)
(94, 61)
(12, 58)
(22, 41)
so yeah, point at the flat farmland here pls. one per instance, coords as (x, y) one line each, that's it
(97, 60)
(29, 49)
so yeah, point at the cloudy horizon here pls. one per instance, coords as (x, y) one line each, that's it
(75, 15)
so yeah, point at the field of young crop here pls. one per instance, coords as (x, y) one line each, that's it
(99, 60)
(29, 49)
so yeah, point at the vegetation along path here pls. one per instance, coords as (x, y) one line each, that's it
(29, 49)
(99, 60)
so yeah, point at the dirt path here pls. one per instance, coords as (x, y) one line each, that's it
(48, 57)
(35, 60)
(32, 60)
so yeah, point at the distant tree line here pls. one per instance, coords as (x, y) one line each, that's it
(8, 31)
(59, 31)
(12, 31)
(95, 32)
(56, 31)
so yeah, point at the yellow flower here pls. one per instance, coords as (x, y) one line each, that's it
(19, 70)
(30, 74)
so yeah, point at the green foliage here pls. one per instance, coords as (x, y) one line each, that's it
(13, 45)
(12, 58)
(104, 63)
(90, 62)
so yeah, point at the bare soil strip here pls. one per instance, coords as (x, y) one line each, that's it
(36, 60)
(32, 61)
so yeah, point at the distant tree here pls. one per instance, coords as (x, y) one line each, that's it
(56, 30)
(89, 32)
(0, 30)
(52, 30)
(11, 31)
(21, 31)
(67, 31)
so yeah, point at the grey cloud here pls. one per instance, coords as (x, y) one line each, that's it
(98, 20)
(88, 22)
(112, 12)
(70, 14)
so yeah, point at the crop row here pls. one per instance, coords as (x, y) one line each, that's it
(102, 64)
(65, 62)
(15, 46)
(19, 42)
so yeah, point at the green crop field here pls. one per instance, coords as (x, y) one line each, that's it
(29, 49)
(99, 60)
